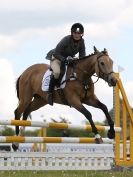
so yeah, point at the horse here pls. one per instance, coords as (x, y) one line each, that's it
(77, 92)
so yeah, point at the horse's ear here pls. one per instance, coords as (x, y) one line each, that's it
(105, 51)
(95, 50)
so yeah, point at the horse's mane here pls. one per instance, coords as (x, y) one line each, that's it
(90, 55)
(87, 56)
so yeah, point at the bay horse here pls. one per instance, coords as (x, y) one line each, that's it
(77, 92)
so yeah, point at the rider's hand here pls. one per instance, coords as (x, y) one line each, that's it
(69, 60)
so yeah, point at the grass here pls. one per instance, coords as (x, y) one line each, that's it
(66, 174)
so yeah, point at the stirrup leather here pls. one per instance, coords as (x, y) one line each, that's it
(50, 99)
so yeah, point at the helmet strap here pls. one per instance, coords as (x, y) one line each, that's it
(74, 39)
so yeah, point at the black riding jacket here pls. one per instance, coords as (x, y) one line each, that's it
(67, 47)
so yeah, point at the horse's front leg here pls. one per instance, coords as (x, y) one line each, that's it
(111, 131)
(93, 101)
(88, 115)
(75, 102)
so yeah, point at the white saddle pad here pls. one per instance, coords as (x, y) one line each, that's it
(46, 81)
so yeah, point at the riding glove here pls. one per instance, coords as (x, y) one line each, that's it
(69, 60)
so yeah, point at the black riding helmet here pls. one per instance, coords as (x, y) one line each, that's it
(77, 27)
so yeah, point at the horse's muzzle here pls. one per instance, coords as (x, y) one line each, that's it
(112, 80)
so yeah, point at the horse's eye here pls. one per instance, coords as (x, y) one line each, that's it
(102, 63)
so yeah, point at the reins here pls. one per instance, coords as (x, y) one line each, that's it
(85, 82)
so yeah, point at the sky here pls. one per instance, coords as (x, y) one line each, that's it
(30, 28)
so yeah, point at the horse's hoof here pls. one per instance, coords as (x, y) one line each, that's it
(15, 146)
(111, 134)
(98, 139)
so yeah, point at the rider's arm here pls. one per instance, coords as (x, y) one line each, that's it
(82, 51)
(59, 50)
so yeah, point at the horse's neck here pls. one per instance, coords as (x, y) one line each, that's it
(87, 66)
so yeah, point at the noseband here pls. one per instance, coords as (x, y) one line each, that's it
(101, 73)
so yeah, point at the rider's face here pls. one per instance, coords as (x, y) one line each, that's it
(77, 36)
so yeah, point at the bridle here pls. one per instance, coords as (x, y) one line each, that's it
(101, 73)
(86, 83)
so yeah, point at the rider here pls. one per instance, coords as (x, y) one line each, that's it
(66, 49)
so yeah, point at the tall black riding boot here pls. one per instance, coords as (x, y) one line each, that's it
(51, 89)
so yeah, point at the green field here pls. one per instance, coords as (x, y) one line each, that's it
(66, 174)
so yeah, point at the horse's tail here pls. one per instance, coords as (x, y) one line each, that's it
(17, 87)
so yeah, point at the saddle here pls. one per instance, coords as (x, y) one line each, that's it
(60, 82)
(68, 77)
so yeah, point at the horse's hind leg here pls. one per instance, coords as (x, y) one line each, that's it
(18, 112)
(23, 103)
(37, 103)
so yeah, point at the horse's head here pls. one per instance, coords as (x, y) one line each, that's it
(104, 67)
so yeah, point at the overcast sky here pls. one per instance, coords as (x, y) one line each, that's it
(30, 28)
